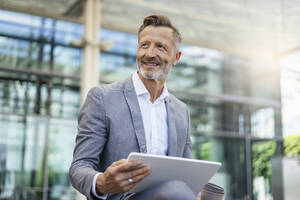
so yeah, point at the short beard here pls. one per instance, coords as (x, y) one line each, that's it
(155, 75)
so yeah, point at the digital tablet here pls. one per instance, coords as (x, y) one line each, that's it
(195, 173)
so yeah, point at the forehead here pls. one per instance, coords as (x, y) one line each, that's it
(157, 33)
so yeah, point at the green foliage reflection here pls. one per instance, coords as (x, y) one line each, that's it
(292, 145)
(262, 153)
(205, 151)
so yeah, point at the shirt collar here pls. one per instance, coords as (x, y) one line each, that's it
(140, 88)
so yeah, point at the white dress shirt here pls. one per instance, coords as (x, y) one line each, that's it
(154, 116)
(155, 120)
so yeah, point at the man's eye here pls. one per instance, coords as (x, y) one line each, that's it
(144, 45)
(161, 47)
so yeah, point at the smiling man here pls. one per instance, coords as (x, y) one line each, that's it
(135, 115)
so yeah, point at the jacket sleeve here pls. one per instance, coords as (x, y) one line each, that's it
(90, 141)
(187, 152)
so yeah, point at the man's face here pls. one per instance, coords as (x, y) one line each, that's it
(156, 52)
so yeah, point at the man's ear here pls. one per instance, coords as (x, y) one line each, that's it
(177, 56)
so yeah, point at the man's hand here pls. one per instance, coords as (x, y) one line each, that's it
(115, 178)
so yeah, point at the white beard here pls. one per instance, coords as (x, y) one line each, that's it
(157, 75)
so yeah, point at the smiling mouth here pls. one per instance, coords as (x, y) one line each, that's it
(151, 64)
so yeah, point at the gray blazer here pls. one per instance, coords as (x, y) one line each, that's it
(110, 126)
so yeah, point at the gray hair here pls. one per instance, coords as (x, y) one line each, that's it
(160, 20)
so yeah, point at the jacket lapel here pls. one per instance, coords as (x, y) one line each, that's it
(137, 120)
(172, 148)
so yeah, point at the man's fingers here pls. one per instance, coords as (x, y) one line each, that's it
(140, 177)
(116, 176)
(126, 185)
(135, 179)
(136, 172)
(118, 168)
(112, 170)
(122, 183)
(119, 162)
(134, 175)
(128, 165)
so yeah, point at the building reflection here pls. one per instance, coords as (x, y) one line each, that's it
(234, 104)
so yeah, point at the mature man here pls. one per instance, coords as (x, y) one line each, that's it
(135, 115)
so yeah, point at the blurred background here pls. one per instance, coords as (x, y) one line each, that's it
(239, 74)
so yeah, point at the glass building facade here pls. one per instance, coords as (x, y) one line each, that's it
(234, 103)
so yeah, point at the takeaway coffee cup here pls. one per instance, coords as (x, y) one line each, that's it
(212, 192)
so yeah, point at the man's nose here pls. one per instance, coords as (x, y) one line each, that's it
(150, 52)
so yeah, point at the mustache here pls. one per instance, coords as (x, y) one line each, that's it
(152, 59)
